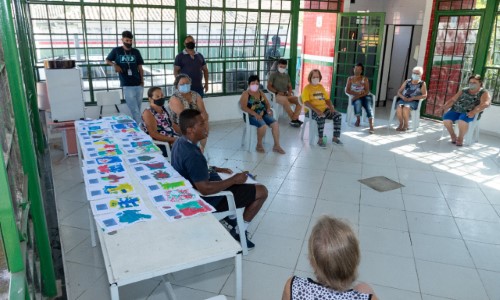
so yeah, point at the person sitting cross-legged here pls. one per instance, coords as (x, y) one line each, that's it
(189, 161)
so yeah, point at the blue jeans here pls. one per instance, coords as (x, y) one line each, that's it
(453, 116)
(266, 120)
(133, 97)
(367, 103)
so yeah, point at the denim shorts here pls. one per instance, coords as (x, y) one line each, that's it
(453, 116)
(413, 105)
(266, 120)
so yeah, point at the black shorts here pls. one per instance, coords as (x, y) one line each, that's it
(244, 195)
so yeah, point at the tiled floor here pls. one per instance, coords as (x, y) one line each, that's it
(436, 238)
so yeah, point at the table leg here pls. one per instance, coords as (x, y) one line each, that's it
(80, 155)
(239, 281)
(92, 227)
(113, 288)
(169, 289)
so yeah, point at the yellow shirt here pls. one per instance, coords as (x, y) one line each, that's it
(316, 95)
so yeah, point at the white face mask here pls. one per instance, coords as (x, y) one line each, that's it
(415, 76)
(315, 81)
(254, 87)
(282, 70)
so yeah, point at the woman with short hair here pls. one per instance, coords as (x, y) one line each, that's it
(334, 256)
(409, 95)
(464, 106)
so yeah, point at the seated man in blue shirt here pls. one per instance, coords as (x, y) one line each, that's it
(188, 160)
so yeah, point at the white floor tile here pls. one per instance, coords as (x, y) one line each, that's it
(302, 188)
(345, 167)
(386, 241)
(471, 194)
(473, 210)
(80, 278)
(419, 188)
(388, 270)
(384, 292)
(275, 250)
(331, 191)
(291, 226)
(485, 256)
(450, 281)
(99, 290)
(479, 231)
(490, 282)
(407, 176)
(432, 225)
(293, 205)
(441, 249)
(212, 281)
(85, 254)
(260, 281)
(382, 217)
(390, 199)
(429, 205)
(305, 174)
(342, 210)
(71, 237)
(493, 194)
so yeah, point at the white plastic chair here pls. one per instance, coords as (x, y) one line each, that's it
(230, 212)
(472, 135)
(415, 115)
(167, 146)
(107, 98)
(350, 110)
(313, 126)
(251, 131)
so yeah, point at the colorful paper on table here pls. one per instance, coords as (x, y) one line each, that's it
(145, 158)
(111, 205)
(151, 166)
(102, 160)
(225, 176)
(177, 195)
(117, 169)
(160, 175)
(106, 179)
(154, 186)
(139, 147)
(178, 211)
(123, 218)
(125, 126)
(135, 133)
(99, 191)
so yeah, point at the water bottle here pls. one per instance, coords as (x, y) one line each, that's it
(325, 139)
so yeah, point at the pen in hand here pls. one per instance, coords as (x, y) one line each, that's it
(248, 173)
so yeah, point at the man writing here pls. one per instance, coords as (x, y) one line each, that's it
(192, 63)
(128, 62)
(188, 160)
(279, 83)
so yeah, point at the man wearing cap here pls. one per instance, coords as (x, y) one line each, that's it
(128, 62)
(192, 63)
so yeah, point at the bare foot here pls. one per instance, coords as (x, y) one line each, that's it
(454, 139)
(278, 149)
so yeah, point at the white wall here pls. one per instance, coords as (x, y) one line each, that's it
(396, 11)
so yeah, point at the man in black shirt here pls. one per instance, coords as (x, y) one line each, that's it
(128, 62)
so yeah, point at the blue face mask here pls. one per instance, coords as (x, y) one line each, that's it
(185, 88)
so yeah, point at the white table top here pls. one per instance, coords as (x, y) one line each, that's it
(149, 249)
(153, 248)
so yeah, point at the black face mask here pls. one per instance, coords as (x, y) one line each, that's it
(127, 45)
(159, 102)
(190, 45)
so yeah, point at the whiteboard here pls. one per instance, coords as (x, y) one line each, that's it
(64, 87)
